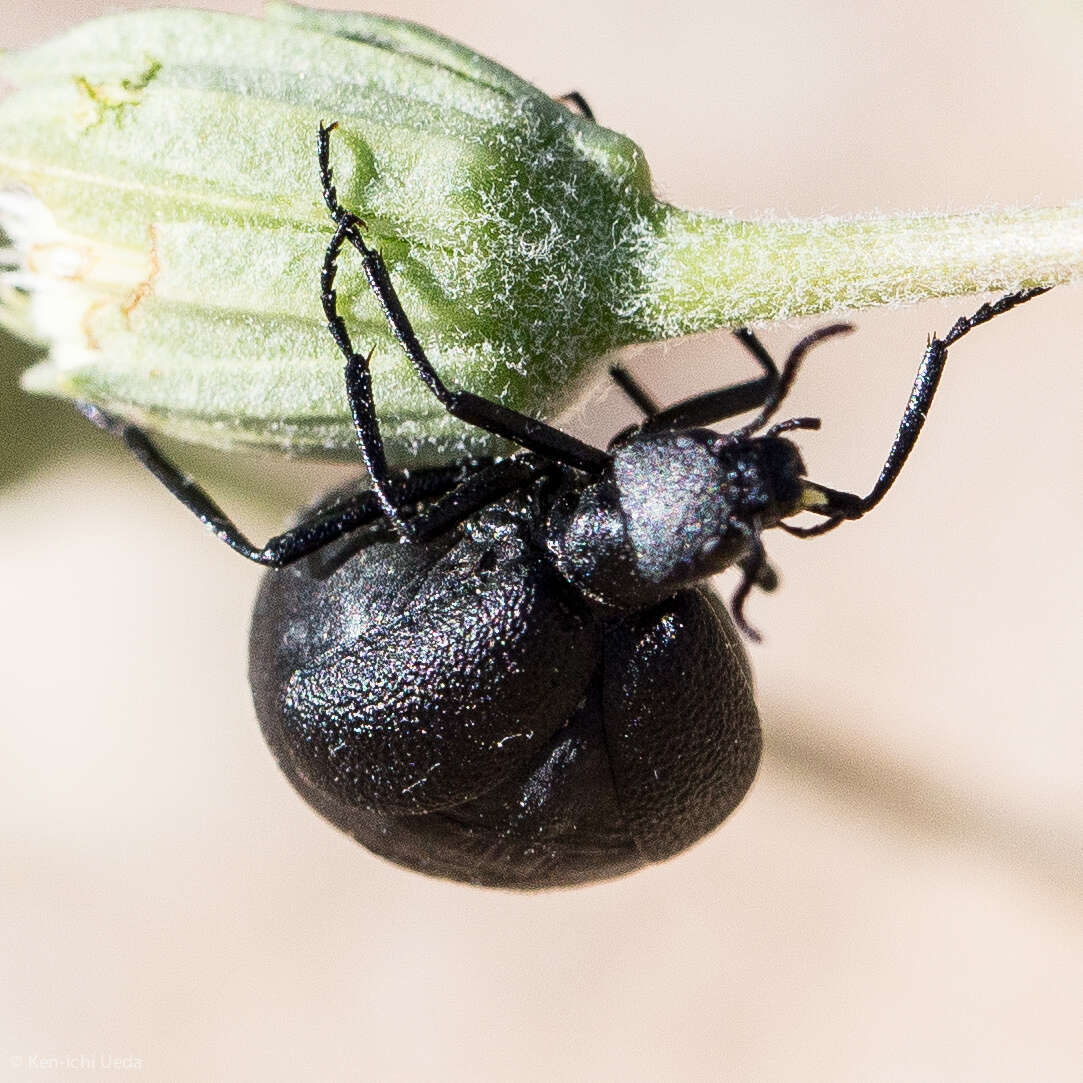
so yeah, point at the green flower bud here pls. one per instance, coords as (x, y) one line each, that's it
(161, 197)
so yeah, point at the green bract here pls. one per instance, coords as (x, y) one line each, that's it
(162, 197)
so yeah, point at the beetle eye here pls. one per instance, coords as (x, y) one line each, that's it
(783, 459)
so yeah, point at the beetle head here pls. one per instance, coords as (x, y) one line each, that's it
(675, 507)
(692, 499)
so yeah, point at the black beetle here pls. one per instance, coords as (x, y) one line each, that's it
(507, 671)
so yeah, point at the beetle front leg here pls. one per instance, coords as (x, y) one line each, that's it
(839, 507)
(493, 417)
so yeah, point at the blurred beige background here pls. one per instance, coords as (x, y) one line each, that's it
(899, 898)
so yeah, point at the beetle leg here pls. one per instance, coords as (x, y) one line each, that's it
(478, 490)
(710, 407)
(634, 390)
(483, 413)
(837, 506)
(754, 568)
(788, 374)
(764, 393)
(313, 532)
(357, 373)
(527, 432)
(765, 576)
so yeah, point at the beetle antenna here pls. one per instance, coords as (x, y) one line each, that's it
(794, 423)
(789, 373)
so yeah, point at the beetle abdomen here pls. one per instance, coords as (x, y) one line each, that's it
(680, 718)
(458, 708)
